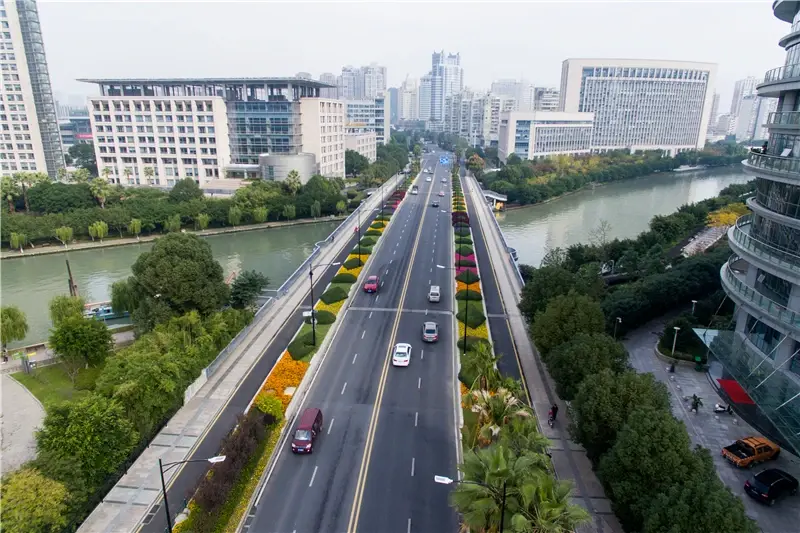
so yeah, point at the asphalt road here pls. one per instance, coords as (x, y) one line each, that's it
(498, 324)
(414, 435)
(186, 481)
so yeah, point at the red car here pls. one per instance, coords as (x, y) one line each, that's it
(372, 284)
(441, 193)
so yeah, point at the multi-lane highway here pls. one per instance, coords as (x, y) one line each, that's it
(387, 430)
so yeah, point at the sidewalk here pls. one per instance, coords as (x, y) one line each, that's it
(112, 241)
(131, 501)
(569, 458)
(18, 424)
(709, 430)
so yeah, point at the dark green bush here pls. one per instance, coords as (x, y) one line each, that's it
(351, 193)
(464, 249)
(385, 217)
(377, 225)
(468, 276)
(368, 241)
(467, 294)
(465, 263)
(301, 346)
(344, 277)
(474, 317)
(461, 225)
(372, 233)
(353, 262)
(323, 318)
(462, 232)
(362, 250)
(333, 295)
(472, 342)
(463, 240)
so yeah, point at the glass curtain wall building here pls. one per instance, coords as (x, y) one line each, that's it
(762, 277)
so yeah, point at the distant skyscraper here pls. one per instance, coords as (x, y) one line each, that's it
(712, 121)
(753, 113)
(327, 77)
(352, 84)
(394, 105)
(522, 91)
(30, 111)
(374, 79)
(409, 100)
(641, 104)
(425, 97)
(447, 78)
(741, 89)
(545, 99)
(304, 76)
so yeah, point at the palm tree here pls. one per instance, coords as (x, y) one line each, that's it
(26, 180)
(127, 172)
(100, 189)
(481, 363)
(81, 176)
(545, 506)
(11, 191)
(149, 173)
(292, 182)
(106, 173)
(494, 411)
(521, 435)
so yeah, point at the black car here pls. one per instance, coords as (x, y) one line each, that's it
(435, 203)
(770, 485)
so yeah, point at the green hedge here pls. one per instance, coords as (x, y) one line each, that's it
(467, 294)
(472, 342)
(463, 240)
(344, 277)
(377, 225)
(462, 232)
(353, 262)
(333, 295)
(301, 346)
(325, 318)
(383, 218)
(363, 250)
(461, 225)
(474, 317)
(368, 241)
(373, 233)
(468, 276)
(465, 263)
(464, 249)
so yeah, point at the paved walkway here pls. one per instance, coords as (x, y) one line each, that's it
(569, 458)
(194, 430)
(712, 431)
(21, 416)
(112, 241)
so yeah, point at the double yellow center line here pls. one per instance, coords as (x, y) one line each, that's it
(355, 511)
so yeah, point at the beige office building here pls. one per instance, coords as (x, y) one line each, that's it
(365, 144)
(323, 134)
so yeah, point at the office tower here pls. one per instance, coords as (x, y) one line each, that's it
(541, 134)
(329, 79)
(641, 104)
(394, 105)
(523, 92)
(374, 79)
(741, 89)
(409, 100)
(425, 97)
(545, 99)
(712, 119)
(29, 122)
(364, 116)
(762, 277)
(723, 122)
(753, 114)
(365, 143)
(155, 132)
(352, 83)
(447, 77)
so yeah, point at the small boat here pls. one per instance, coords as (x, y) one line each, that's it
(103, 312)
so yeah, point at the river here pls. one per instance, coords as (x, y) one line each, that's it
(30, 283)
(627, 205)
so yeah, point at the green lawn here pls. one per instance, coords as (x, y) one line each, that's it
(51, 385)
(321, 332)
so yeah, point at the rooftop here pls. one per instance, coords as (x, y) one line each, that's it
(204, 81)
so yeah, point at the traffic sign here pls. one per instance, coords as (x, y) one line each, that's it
(444, 160)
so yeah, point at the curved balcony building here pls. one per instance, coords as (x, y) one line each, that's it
(763, 276)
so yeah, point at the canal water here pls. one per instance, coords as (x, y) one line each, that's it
(30, 283)
(627, 205)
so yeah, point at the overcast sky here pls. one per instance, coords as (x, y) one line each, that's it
(495, 39)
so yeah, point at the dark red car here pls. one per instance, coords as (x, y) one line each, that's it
(372, 284)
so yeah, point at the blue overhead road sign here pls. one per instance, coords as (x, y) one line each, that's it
(444, 160)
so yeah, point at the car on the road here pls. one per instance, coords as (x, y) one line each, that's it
(747, 452)
(430, 332)
(771, 485)
(307, 431)
(372, 284)
(444, 180)
(435, 203)
(441, 193)
(402, 354)
(428, 178)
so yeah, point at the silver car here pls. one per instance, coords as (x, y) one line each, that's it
(430, 332)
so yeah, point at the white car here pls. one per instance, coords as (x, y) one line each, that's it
(402, 354)
(428, 178)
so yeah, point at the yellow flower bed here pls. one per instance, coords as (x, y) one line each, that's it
(474, 287)
(481, 331)
(464, 392)
(381, 229)
(354, 271)
(363, 257)
(332, 308)
(287, 373)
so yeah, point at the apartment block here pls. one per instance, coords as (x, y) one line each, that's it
(541, 134)
(641, 104)
(323, 134)
(29, 132)
(369, 116)
(545, 99)
(365, 144)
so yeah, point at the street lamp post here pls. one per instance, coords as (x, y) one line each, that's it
(313, 318)
(447, 481)
(617, 321)
(170, 466)
(675, 339)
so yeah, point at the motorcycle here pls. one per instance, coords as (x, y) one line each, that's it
(722, 408)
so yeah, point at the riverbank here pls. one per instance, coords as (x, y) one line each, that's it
(111, 242)
(598, 185)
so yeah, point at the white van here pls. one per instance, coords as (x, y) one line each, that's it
(433, 293)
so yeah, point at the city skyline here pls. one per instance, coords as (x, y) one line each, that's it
(535, 35)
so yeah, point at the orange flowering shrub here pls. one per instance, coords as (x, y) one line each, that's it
(287, 373)
(333, 308)
(461, 286)
(464, 392)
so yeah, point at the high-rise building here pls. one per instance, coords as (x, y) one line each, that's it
(753, 114)
(374, 77)
(425, 97)
(447, 77)
(741, 89)
(351, 86)
(541, 134)
(476, 116)
(156, 132)
(363, 116)
(364, 143)
(712, 120)
(523, 92)
(329, 78)
(409, 100)
(762, 277)
(545, 99)
(641, 104)
(394, 105)
(29, 121)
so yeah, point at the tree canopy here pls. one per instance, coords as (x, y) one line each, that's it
(185, 190)
(79, 341)
(586, 354)
(247, 287)
(564, 317)
(32, 503)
